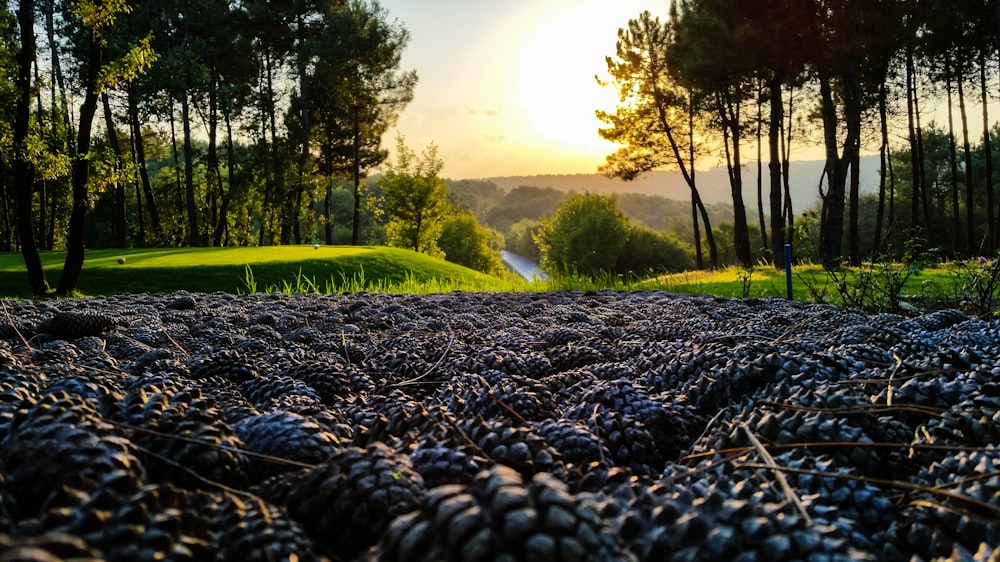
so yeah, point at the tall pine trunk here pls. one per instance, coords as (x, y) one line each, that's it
(730, 112)
(774, 132)
(356, 171)
(956, 213)
(120, 217)
(883, 156)
(852, 157)
(24, 171)
(193, 239)
(73, 265)
(215, 189)
(913, 134)
(759, 132)
(786, 157)
(832, 225)
(139, 146)
(967, 152)
(988, 157)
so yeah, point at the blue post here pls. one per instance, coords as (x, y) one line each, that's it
(788, 269)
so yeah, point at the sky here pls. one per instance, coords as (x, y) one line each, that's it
(507, 87)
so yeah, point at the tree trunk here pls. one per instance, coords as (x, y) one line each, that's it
(774, 128)
(24, 171)
(356, 170)
(786, 156)
(277, 173)
(988, 157)
(215, 192)
(971, 249)
(760, 170)
(832, 222)
(121, 219)
(328, 201)
(193, 239)
(913, 135)
(304, 103)
(73, 266)
(852, 157)
(730, 112)
(43, 192)
(922, 176)
(140, 219)
(696, 204)
(139, 146)
(178, 235)
(698, 253)
(883, 154)
(7, 234)
(956, 219)
(222, 224)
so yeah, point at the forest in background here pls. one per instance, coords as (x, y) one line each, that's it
(182, 122)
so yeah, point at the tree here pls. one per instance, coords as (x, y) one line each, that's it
(94, 20)
(24, 171)
(697, 59)
(415, 199)
(466, 242)
(585, 236)
(647, 250)
(657, 121)
(358, 67)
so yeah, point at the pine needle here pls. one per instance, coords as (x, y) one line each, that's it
(776, 470)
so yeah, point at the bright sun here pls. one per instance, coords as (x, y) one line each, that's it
(558, 94)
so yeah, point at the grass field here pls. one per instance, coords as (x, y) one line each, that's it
(329, 268)
(299, 269)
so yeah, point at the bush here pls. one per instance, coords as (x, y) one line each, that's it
(521, 239)
(466, 242)
(648, 250)
(586, 236)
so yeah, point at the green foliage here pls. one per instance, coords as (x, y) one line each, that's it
(647, 250)
(522, 239)
(466, 242)
(476, 196)
(976, 285)
(138, 59)
(524, 202)
(586, 235)
(415, 199)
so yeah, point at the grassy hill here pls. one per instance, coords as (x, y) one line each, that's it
(337, 268)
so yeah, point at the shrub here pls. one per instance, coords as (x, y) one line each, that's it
(585, 236)
(466, 242)
(648, 250)
(521, 239)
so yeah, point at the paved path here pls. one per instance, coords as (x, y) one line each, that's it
(523, 266)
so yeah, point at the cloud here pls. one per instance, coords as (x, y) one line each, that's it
(483, 112)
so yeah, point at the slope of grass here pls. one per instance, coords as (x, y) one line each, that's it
(329, 268)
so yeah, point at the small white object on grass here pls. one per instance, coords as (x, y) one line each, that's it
(315, 246)
(121, 259)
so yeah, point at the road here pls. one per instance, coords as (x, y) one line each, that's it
(523, 266)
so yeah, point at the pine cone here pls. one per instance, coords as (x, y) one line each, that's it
(284, 436)
(347, 502)
(70, 325)
(499, 517)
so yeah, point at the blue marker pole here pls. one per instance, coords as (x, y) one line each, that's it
(788, 269)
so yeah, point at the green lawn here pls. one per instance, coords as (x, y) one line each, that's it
(297, 269)
(272, 268)
(945, 285)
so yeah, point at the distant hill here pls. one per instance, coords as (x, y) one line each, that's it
(713, 184)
